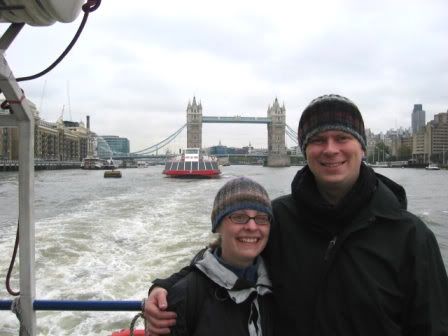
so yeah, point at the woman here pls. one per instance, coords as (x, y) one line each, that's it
(229, 292)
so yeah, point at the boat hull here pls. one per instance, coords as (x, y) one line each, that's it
(432, 166)
(192, 173)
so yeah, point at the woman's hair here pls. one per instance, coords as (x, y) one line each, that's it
(216, 243)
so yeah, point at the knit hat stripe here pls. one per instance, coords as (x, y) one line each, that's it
(335, 127)
(241, 206)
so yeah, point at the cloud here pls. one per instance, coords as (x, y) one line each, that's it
(136, 67)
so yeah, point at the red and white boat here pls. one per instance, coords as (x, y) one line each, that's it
(192, 164)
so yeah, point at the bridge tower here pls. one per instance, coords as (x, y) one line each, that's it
(277, 155)
(194, 124)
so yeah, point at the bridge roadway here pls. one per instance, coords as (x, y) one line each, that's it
(237, 120)
(150, 156)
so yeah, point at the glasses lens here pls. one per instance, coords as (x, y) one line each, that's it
(262, 219)
(239, 218)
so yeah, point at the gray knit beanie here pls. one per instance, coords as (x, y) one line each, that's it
(237, 194)
(331, 112)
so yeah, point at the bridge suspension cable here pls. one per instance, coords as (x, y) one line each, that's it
(160, 144)
(291, 130)
(291, 135)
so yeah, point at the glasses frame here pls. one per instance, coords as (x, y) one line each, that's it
(248, 218)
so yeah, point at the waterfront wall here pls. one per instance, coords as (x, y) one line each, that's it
(278, 160)
(13, 165)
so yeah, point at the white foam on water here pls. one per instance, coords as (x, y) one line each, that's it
(98, 239)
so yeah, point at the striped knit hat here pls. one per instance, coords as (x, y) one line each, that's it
(238, 194)
(331, 112)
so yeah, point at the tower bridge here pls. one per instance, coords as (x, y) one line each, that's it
(276, 128)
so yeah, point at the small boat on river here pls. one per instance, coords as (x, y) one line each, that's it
(97, 163)
(192, 164)
(112, 173)
(432, 166)
(92, 163)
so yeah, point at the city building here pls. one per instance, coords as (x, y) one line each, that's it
(117, 144)
(9, 144)
(60, 140)
(218, 150)
(101, 147)
(418, 118)
(430, 144)
(399, 141)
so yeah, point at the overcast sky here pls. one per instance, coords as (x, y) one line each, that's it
(138, 64)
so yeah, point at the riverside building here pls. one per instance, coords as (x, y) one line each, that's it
(53, 141)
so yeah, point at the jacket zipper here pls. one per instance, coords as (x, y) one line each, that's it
(330, 247)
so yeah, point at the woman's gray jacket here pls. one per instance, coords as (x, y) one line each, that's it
(212, 300)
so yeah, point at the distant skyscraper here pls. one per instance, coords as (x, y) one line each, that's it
(418, 118)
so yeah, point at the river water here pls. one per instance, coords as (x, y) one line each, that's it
(105, 239)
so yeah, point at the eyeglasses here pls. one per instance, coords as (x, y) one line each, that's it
(242, 218)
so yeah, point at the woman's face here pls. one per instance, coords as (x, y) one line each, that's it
(242, 242)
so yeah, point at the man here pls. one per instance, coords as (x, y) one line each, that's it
(344, 255)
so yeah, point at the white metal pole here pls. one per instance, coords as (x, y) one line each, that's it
(26, 226)
(23, 118)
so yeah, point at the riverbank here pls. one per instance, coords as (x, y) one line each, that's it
(13, 165)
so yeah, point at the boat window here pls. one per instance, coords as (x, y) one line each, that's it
(195, 166)
(208, 165)
(214, 165)
(187, 165)
(181, 166)
(192, 151)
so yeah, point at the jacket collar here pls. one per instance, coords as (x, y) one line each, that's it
(225, 278)
(388, 202)
(373, 195)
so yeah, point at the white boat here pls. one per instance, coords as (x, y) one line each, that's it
(432, 166)
(109, 164)
(192, 164)
(378, 165)
(92, 163)
(97, 163)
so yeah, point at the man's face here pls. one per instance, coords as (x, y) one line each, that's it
(334, 158)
